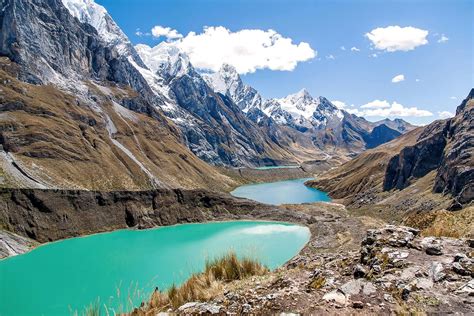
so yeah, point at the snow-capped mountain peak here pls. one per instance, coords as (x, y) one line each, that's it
(228, 82)
(303, 94)
(165, 59)
(229, 72)
(302, 111)
(87, 11)
(324, 105)
(300, 104)
(327, 111)
(225, 80)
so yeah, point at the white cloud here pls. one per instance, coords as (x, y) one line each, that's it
(343, 48)
(445, 114)
(378, 108)
(453, 98)
(348, 108)
(139, 33)
(398, 78)
(384, 109)
(417, 80)
(354, 49)
(247, 50)
(396, 38)
(330, 56)
(443, 39)
(354, 111)
(169, 33)
(373, 55)
(376, 104)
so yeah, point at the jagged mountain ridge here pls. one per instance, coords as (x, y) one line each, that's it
(427, 168)
(213, 125)
(397, 124)
(328, 127)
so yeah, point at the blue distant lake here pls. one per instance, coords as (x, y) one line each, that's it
(281, 192)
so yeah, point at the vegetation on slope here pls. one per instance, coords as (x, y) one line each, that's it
(92, 141)
(203, 286)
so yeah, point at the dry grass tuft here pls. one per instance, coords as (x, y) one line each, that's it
(203, 286)
(318, 282)
(443, 223)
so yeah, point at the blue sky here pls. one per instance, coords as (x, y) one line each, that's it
(437, 76)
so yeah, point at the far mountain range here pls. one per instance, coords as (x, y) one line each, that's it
(93, 102)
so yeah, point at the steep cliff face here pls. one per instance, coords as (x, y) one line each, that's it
(233, 139)
(228, 82)
(408, 172)
(47, 215)
(445, 146)
(55, 47)
(456, 172)
(416, 161)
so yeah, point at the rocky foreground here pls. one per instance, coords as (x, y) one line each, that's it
(342, 270)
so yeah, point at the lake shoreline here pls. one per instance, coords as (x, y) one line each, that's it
(32, 244)
(48, 215)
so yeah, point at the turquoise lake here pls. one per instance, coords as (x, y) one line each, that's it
(281, 192)
(120, 269)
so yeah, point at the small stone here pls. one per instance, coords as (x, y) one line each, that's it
(369, 289)
(432, 246)
(358, 304)
(187, 305)
(405, 293)
(246, 308)
(336, 296)
(377, 269)
(271, 296)
(359, 271)
(398, 255)
(459, 269)
(434, 250)
(459, 256)
(436, 271)
(352, 287)
(388, 298)
(467, 288)
(423, 283)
